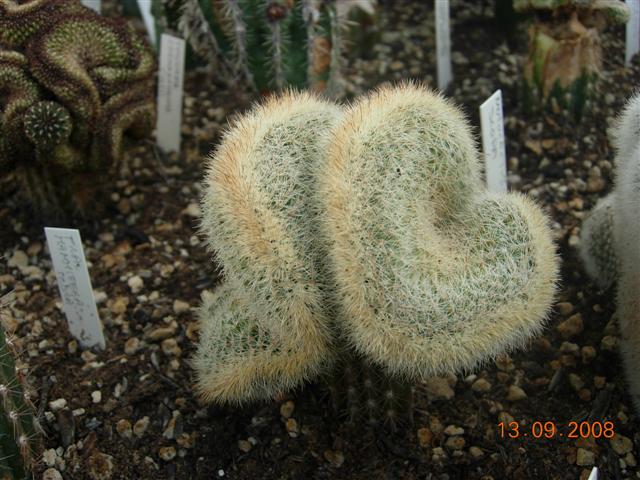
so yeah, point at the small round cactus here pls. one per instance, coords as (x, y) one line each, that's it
(268, 328)
(597, 249)
(47, 124)
(433, 274)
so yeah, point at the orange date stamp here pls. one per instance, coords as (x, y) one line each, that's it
(548, 430)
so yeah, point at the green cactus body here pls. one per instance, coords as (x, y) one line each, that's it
(564, 60)
(19, 430)
(77, 83)
(433, 274)
(267, 329)
(609, 241)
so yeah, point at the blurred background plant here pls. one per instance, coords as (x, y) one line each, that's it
(565, 58)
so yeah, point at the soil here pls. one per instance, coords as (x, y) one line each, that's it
(571, 373)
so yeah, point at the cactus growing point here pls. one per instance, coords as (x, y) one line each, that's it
(433, 273)
(267, 329)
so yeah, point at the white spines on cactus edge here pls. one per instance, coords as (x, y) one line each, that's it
(433, 273)
(266, 330)
(627, 241)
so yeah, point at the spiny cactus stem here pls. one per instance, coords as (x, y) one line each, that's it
(239, 41)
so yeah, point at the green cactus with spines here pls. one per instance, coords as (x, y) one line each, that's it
(374, 227)
(260, 42)
(432, 273)
(266, 329)
(609, 241)
(565, 58)
(78, 82)
(20, 432)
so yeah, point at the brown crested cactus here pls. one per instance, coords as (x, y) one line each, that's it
(76, 84)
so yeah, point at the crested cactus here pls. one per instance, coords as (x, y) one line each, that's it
(19, 429)
(564, 59)
(260, 42)
(76, 83)
(433, 274)
(267, 328)
(364, 236)
(614, 251)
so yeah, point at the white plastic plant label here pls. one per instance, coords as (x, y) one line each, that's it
(170, 83)
(493, 143)
(93, 5)
(145, 10)
(443, 44)
(633, 31)
(74, 284)
(594, 474)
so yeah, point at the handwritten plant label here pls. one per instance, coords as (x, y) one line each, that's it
(170, 81)
(147, 17)
(633, 31)
(93, 5)
(74, 284)
(594, 474)
(443, 43)
(493, 143)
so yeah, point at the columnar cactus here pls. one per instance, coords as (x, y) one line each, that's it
(261, 42)
(369, 229)
(267, 329)
(19, 430)
(614, 250)
(433, 274)
(564, 60)
(76, 83)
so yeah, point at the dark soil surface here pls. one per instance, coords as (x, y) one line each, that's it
(146, 423)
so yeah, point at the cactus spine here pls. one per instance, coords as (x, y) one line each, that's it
(366, 237)
(19, 429)
(621, 248)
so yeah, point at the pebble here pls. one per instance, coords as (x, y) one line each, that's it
(123, 427)
(135, 284)
(18, 259)
(452, 430)
(100, 466)
(49, 457)
(141, 426)
(170, 347)
(58, 404)
(439, 387)
(576, 382)
(481, 385)
(244, 446)
(571, 326)
(180, 306)
(476, 452)
(424, 436)
(96, 396)
(192, 210)
(564, 308)
(334, 457)
(287, 408)
(455, 443)
(131, 346)
(162, 332)
(167, 453)
(438, 455)
(51, 474)
(588, 354)
(609, 343)
(621, 444)
(292, 427)
(515, 393)
(584, 457)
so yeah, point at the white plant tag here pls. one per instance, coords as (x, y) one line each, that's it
(74, 284)
(493, 143)
(145, 10)
(170, 80)
(93, 5)
(443, 44)
(633, 31)
(594, 474)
